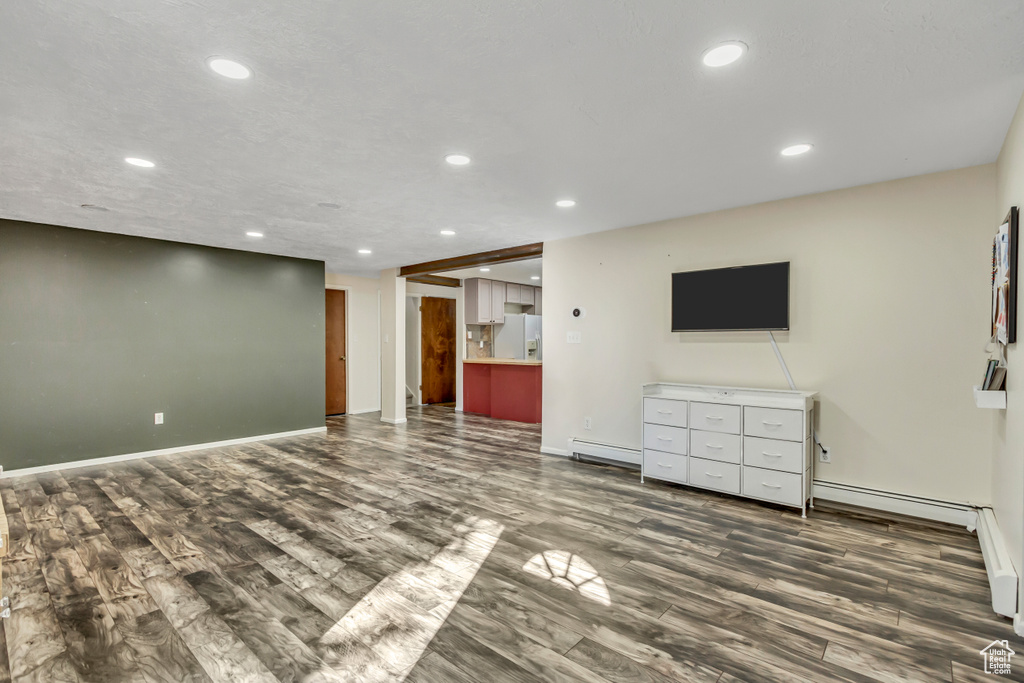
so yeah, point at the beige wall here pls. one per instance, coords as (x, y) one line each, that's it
(889, 314)
(363, 355)
(1008, 462)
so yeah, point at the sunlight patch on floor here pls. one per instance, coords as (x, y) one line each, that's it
(570, 571)
(384, 635)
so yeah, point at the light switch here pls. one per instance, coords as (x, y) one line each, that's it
(158, 418)
(574, 337)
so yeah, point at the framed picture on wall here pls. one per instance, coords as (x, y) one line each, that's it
(1004, 280)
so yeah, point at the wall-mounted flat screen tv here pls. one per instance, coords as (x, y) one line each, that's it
(726, 299)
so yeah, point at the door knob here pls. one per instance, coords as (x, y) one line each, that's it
(342, 358)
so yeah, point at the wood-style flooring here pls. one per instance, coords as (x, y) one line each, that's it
(448, 549)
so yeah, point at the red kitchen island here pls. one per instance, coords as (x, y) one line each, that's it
(503, 388)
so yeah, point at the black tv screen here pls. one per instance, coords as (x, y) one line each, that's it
(740, 298)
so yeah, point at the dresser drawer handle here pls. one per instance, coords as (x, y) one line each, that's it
(771, 486)
(713, 417)
(771, 424)
(664, 438)
(711, 445)
(771, 455)
(716, 476)
(664, 464)
(664, 412)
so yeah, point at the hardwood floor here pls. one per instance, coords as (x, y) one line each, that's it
(448, 549)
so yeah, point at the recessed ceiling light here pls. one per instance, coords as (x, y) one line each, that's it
(724, 54)
(794, 150)
(135, 161)
(253, 233)
(535, 277)
(229, 68)
(447, 233)
(485, 270)
(457, 159)
(329, 205)
(94, 207)
(365, 251)
(565, 203)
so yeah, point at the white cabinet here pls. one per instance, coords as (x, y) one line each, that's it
(497, 301)
(750, 442)
(478, 301)
(715, 446)
(714, 417)
(668, 439)
(485, 300)
(665, 466)
(660, 412)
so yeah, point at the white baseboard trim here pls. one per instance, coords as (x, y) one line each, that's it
(1018, 624)
(604, 452)
(960, 514)
(388, 420)
(1002, 577)
(149, 454)
(554, 451)
(363, 411)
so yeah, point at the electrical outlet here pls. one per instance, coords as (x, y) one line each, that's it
(158, 418)
(825, 455)
(587, 424)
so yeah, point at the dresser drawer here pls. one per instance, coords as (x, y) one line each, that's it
(772, 454)
(773, 423)
(714, 417)
(662, 411)
(715, 446)
(711, 474)
(664, 438)
(670, 466)
(781, 487)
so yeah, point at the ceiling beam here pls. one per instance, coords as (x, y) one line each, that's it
(484, 258)
(435, 280)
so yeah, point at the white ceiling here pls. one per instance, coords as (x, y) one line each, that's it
(521, 272)
(355, 103)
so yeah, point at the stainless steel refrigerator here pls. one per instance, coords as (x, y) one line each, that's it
(519, 337)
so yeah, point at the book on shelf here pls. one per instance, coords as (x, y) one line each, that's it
(989, 370)
(998, 378)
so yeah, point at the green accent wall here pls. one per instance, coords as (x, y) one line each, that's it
(100, 331)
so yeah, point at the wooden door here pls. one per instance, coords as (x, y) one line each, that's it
(336, 363)
(438, 349)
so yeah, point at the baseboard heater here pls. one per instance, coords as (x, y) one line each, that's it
(1002, 578)
(961, 514)
(602, 452)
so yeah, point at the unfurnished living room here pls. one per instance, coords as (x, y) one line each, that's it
(561, 340)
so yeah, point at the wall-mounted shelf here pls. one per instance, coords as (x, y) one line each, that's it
(995, 400)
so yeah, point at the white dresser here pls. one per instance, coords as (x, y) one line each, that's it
(754, 443)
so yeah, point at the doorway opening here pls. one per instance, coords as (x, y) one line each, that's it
(431, 355)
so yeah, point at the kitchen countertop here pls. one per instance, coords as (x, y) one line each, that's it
(502, 361)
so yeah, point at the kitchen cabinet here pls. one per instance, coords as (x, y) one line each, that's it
(512, 293)
(478, 301)
(485, 300)
(497, 301)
